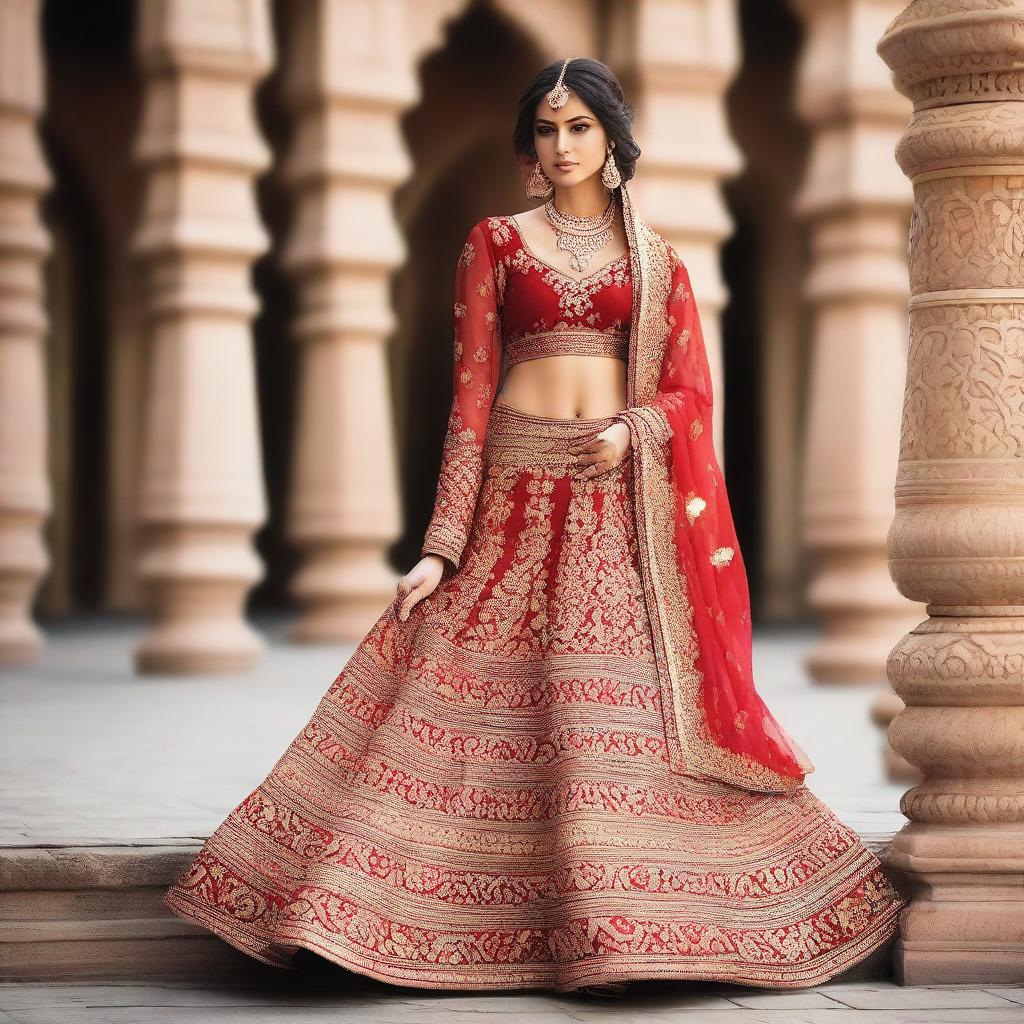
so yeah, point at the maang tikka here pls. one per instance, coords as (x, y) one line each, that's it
(539, 185)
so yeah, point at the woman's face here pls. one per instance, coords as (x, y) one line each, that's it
(571, 135)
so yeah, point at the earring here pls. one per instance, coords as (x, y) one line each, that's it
(539, 185)
(610, 176)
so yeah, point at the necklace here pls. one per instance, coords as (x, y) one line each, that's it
(581, 237)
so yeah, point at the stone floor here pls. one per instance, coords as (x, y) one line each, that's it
(350, 998)
(93, 754)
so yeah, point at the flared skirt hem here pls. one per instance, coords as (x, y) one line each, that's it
(560, 977)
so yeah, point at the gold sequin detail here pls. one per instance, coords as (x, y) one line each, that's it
(694, 506)
(721, 556)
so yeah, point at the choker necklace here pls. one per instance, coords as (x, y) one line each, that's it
(581, 237)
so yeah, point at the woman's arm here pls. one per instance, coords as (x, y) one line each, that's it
(477, 364)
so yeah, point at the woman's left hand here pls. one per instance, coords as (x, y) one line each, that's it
(603, 453)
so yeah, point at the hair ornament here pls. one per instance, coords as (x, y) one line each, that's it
(559, 95)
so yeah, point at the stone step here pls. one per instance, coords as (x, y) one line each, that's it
(96, 913)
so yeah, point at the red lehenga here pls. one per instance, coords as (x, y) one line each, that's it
(558, 771)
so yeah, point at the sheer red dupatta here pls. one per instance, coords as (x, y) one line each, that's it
(477, 334)
(717, 725)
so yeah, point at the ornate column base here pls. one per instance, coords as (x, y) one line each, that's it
(962, 851)
(342, 589)
(966, 922)
(198, 584)
(24, 561)
(862, 615)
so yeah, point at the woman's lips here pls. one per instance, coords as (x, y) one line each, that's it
(565, 167)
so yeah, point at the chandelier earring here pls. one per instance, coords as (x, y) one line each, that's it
(539, 185)
(610, 176)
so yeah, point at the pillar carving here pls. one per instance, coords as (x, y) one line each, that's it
(856, 205)
(346, 91)
(25, 499)
(957, 539)
(202, 494)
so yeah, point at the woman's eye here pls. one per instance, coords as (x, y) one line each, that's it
(547, 131)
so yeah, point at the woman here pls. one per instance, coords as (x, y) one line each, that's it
(547, 764)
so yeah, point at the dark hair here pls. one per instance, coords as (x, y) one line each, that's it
(596, 85)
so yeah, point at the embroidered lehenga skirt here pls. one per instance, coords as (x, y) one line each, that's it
(482, 798)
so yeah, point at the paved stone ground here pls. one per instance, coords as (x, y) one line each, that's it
(92, 754)
(302, 1000)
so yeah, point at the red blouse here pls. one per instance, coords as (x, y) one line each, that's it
(547, 312)
(511, 306)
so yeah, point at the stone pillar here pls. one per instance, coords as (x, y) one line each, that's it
(346, 91)
(202, 492)
(678, 60)
(885, 706)
(856, 204)
(957, 539)
(25, 498)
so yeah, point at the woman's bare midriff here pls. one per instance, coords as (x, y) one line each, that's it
(567, 387)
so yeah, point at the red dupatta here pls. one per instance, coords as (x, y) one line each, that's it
(695, 581)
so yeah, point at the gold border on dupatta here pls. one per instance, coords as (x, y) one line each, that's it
(692, 748)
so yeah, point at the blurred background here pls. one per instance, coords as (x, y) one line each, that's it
(228, 250)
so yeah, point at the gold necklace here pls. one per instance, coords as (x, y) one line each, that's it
(581, 237)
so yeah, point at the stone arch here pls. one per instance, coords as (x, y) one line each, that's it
(459, 140)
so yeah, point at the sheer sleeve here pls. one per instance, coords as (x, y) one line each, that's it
(675, 431)
(477, 364)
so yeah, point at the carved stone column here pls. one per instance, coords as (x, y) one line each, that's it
(957, 540)
(678, 60)
(346, 91)
(202, 486)
(857, 206)
(24, 245)
(885, 706)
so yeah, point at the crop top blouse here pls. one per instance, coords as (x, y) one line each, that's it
(511, 306)
(545, 312)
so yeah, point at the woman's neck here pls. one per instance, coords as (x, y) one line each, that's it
(583, 200)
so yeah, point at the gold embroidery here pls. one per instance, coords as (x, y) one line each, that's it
(721, 556)
(577, 590)
(501, 231)
(696, 428)
(407, 831)
(574, 296)
(694, 506)
(564, 340)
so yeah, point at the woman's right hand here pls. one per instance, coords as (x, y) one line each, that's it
(419, 582)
